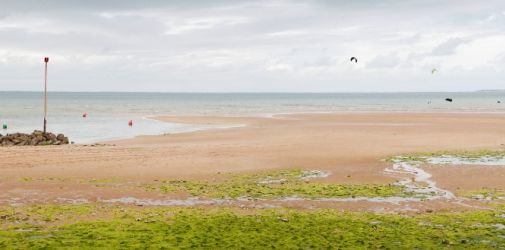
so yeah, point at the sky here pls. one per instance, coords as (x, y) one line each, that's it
(253, 46)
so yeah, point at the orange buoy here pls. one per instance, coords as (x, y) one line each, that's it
(84, 115)
(130, 123)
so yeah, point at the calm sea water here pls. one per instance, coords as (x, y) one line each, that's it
(108, 113)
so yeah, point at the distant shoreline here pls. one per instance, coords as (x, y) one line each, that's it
(253, 92)
(108, 113)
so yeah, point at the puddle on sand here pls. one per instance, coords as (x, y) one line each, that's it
(429, 190)
(421, 183)
(393, 200)
(454, 160)
(72, 201)
(258, 203)
(272, 181)
(418, 182)
(154, 202)
(306, 175)
(311, 174)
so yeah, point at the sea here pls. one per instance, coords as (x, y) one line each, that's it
(108, 113)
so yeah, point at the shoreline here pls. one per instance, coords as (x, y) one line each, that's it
(190, 127)
(181, 119)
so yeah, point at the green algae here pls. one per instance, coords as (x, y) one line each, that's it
(105, 182)
(45, 213)
(117, 227)
(262, 185)
(44, 179)
(288, 183)
(422, 157)
(486, 193)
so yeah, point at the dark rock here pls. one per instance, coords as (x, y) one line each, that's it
(33, 139)
(60, 137)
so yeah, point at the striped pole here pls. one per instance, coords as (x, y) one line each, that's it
(46, 60)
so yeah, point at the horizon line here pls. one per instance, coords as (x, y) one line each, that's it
(255, 92)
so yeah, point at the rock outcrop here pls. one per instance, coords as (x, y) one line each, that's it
(34, 139)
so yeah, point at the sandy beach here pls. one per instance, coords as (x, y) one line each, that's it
(343, 143)
(351, 146)
(252, 124)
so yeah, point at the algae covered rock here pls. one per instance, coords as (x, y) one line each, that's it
(36, 138)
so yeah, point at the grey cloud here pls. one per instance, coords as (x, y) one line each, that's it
(230, 45)
(449, 47)
(384, 61)
(96, 5)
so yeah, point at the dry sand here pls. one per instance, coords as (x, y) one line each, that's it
(350, 145)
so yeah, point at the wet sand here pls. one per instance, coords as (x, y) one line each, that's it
(349, 145)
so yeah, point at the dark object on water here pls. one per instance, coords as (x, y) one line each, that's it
(354, 59)
(84, 115)
(4, 126)
(130, 123)
(498, 101)
(448, 99)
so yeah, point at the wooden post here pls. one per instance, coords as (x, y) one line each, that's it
(46, 60)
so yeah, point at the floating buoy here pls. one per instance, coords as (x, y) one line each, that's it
(4, 126)
(130, 123)
(84, 115)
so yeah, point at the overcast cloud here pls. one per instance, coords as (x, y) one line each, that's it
(228, 46)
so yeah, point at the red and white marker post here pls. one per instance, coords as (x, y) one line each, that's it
(46, 60)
